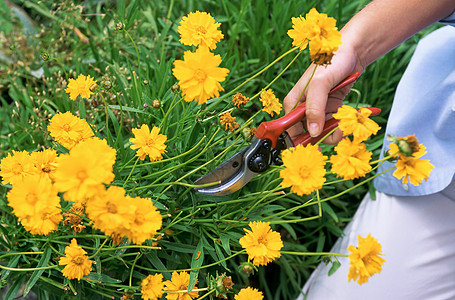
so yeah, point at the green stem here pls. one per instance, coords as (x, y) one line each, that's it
(137, 52)
(61, 66)
(306, 86)
(132, 267)
(205, 295)
(313, 253)
(131, 172)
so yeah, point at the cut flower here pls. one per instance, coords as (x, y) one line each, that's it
(411, 168)
(365, 260)
(262, 244)
(319, 32)
(229, 122)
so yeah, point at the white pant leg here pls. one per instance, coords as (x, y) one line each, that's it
(417, 235)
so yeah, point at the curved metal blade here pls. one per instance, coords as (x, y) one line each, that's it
(232, 174)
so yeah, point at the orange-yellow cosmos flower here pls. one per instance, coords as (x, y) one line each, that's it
(352, 159)
(262, 244)
(76, 262)
(13, 168)
(45, 162)
(80, 86)
(270, 102)
(69, 130)
(411, 168)
(82, 173)
(180, 282)
(304, 169)
(146, 220)
(199, 75)
(356, 122)
(229, 122)
(148, 142)
(365, 260)
(249, 293)
(35, 202)
(319, 32)
(199, 29)
(152, 287)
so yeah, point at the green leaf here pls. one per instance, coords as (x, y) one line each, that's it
(37, 273)
(4, 274)
(196, 262)
(14, 288)
(327, 209)
(335, 265)
(225, 243)
(101, 278)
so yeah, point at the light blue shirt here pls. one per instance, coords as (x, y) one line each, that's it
(424, 105)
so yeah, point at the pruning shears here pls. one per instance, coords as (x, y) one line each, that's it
(269, 140)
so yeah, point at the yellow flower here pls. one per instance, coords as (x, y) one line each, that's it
(146, 220)
(412, 168)
(13, 168)
(365, 260)
(76, 260)
(270, 102)
(45, 162)
(199, 75)
(82, 173)
(35, 202)
(180, 282)
(110, 211)
(69, 130)
(262, 244)
(152, 287)
(356, 122)
(149, 142)
(199, 29)
(320, 32)
(249, 294)
(352, 160)
(304, 169)
(80, 86)
(229, 122)
(239, 100)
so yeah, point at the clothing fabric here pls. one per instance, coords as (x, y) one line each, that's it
(417, 234)
(424, 105)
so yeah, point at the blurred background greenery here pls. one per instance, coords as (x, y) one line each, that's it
(80, 38)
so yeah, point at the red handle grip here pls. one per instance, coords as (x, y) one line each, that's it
(272, 129)
(329, 125)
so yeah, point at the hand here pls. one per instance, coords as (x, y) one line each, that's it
(319, 106)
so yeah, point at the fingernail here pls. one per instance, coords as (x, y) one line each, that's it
(313, 129)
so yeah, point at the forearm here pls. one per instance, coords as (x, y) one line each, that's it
(384, 24)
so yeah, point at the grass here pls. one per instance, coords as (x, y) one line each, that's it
(138, 62)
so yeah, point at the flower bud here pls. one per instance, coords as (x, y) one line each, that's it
(44, 56)
(145, 82)
(93, 87)
(156, 103)
(107, 84)
(119, 26)
(247, 268)
(175, 88)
